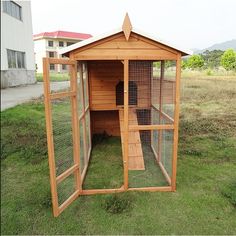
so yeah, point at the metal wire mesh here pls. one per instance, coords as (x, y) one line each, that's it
(66, 188)
(155, 94)
(167, 150)
(62, 134)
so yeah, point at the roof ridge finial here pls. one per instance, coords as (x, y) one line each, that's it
(127, 26)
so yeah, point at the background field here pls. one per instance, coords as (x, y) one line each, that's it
(205, 200)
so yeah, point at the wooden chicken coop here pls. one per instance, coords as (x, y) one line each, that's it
(124, 84)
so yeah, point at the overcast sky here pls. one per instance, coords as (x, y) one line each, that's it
(187, 23)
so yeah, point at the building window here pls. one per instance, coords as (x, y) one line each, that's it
(12, 9)
(52, 67)
(50, 43)
(61, 44)
(64, 67)
(69, 43)
(15, 59)
(51, 54)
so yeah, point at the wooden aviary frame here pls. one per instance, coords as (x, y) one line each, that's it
(96, 66)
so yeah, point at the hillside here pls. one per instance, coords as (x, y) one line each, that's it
(219, 46)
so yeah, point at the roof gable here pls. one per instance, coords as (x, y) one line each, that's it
(127, 30)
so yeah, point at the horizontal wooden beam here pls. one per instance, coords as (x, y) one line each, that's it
(102, 191)
(61, 61)
(62, 95)
(66, 203)
(152, 189)
(122, 57)
(150, 127)
(68, 172)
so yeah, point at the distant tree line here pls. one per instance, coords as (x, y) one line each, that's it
(211, 59)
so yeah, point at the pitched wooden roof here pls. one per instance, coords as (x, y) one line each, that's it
(127, 29)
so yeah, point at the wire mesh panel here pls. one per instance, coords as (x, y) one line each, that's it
(66, 188)
(152, 147)
(168, 88)
(62, 134)
(167, 150)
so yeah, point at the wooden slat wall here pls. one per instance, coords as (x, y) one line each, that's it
(105, 121)
(103, 78)
(137, 48)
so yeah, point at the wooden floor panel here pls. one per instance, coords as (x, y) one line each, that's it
(136, 161)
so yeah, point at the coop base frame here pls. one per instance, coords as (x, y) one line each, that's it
(79, 178)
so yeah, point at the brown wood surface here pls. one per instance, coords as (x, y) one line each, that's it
(135, 152)
(176, 123)
(48, 119)
(105, 121)
(126, 125)
(105, 50)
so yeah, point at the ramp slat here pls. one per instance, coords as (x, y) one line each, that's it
(136, 161)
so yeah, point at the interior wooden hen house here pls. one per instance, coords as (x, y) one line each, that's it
(119, 86)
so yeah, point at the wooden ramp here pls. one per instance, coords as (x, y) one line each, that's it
(136, 161)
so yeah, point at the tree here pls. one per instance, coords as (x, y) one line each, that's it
(212, 58)
(195, 62)
(228, 59)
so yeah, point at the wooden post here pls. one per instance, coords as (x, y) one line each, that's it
(126, 124)
(75, 126)
(83, 112)
(160, 108)
(176, 123)
(48, 118)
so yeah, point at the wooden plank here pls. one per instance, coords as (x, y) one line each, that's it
(119, 54)
(126, 124)
(102, 191)
(160, 107)
(62, 95)
(66, 203)
(83, 112)
(176, 122)
(152, 189)
(135, 153)
(150, 127)
(48, 118)
(157, 44)
(75, 127)
(66, 173)
(61, 61)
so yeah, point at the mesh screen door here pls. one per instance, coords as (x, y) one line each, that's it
(62, 135)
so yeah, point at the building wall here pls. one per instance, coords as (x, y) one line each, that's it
(42, 49)
(17, 35)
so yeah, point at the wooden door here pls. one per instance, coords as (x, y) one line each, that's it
(61, 114)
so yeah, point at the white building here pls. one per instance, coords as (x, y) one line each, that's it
(47, 44)
(17, 49)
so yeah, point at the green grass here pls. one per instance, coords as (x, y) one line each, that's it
(55, 77)
(204, 202)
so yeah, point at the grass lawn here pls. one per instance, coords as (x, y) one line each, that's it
(55, 77)
(205, 200)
